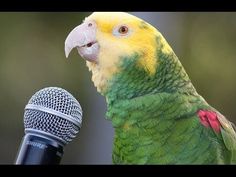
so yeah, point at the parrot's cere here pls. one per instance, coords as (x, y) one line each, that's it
(158, 116)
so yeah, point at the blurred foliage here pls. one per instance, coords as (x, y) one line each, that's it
(209, 57)
(32, 57)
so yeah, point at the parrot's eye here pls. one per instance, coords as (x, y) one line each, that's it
(123, 30)
(90, 24)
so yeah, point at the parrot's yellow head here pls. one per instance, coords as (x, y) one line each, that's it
(104, 39)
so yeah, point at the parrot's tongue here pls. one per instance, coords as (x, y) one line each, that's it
(89, 44)
(89, 51)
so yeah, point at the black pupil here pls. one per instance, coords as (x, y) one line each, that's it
(123, 29)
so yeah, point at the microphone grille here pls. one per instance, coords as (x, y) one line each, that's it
(53, 112)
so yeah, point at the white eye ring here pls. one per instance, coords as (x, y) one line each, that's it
(121, 30)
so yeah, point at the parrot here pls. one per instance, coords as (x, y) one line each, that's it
(157, 115)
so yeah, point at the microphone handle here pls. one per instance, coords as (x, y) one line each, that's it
(36, 150)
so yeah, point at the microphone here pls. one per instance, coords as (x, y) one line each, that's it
(52, 118)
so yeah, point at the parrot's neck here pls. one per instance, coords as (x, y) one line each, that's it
(133, 81)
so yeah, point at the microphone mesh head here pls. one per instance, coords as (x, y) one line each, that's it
(53, 112)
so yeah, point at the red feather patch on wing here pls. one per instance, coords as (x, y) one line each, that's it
(209, 119)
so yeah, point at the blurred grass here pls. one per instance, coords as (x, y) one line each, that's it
(32, 57)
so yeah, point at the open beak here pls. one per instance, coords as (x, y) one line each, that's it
(83, 37)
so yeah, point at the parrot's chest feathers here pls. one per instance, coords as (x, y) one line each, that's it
(97, 77)
(101, 74)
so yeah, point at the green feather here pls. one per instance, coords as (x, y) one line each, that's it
(155, 117)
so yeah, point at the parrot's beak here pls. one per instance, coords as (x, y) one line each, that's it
(83, 37)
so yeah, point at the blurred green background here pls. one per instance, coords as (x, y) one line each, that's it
(32, 57)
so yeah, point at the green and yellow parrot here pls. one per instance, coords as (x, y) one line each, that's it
(157, 115)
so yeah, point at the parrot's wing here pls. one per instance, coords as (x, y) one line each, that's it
(229, 135)
(222, 128)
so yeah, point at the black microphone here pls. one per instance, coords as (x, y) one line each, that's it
(52, 119)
